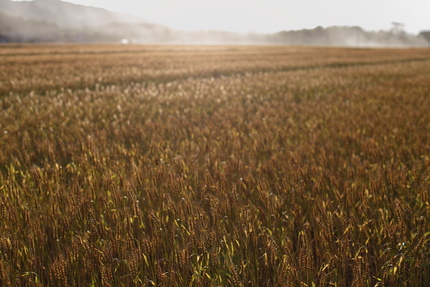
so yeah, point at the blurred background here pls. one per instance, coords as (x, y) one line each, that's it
(331, 22)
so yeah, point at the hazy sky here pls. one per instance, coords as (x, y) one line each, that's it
(274, 15)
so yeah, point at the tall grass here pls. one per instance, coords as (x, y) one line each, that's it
(214, 166)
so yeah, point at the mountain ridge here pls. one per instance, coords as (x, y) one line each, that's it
(65, 14)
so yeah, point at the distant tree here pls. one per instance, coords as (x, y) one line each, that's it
(397, 27)
(425, 35)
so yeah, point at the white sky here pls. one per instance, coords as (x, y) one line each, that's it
(274, 15)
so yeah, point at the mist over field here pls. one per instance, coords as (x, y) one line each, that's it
(58, 21)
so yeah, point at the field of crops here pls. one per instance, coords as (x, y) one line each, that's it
(214, 166)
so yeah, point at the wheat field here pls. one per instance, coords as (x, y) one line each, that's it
(128, 165)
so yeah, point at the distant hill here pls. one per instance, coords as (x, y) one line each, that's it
(59, 21)
(16, 29)
(64, 14)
